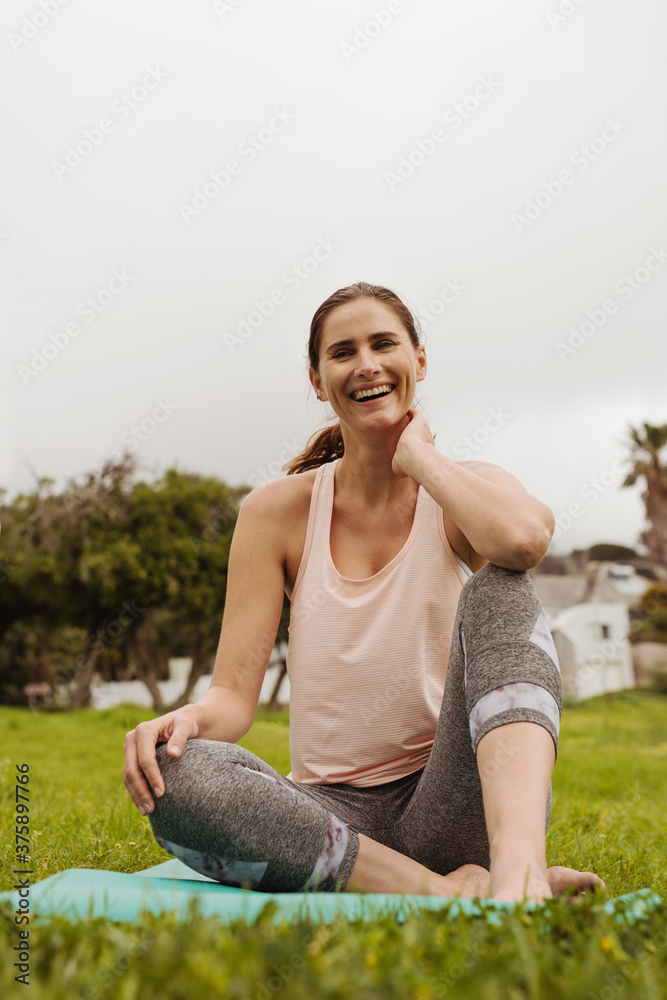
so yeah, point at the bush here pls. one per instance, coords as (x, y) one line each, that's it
(658, 674)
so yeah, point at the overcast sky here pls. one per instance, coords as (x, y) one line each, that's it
(184, 184)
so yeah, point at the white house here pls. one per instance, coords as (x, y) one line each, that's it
(588, 617)
(593, 648)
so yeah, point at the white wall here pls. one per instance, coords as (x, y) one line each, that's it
(593, 648)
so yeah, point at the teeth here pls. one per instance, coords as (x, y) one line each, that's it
(365, 393)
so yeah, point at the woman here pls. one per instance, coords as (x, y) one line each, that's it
(373, 535)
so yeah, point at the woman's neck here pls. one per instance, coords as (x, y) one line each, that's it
(365, 473)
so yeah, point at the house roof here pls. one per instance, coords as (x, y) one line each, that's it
(599, 582)
(557, 592)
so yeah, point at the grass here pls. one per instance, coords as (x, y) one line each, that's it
(609, 790)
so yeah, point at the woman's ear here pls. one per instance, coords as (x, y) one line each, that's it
(316, 383)
(421, 364)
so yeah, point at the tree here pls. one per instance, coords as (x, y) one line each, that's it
(646, 447)
(71, 562)
(611, 552)
(183, 525)
(142, 568)
(651, 614)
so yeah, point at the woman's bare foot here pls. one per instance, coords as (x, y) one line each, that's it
(518, 875)
(467, 881)
(535, 883)
(561, 879)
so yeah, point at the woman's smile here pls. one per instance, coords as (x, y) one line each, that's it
(372, 394)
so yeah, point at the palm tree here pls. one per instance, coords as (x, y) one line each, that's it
(646, 446)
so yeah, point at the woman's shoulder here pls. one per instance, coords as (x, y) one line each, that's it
(284, 497)
(280, 510)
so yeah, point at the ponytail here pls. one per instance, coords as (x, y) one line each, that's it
(324, 446)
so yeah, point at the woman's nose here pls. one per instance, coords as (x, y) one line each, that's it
(367, 362)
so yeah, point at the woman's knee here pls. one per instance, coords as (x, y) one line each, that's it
(494, 584)
(202, 769)
(502, 605)
(196, 757)
(201, 788)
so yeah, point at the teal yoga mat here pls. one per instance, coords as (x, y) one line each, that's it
(172, 886)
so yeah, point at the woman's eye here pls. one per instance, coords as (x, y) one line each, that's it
(343, 352)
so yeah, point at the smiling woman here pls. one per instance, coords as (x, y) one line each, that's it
(425, 687)
(395, 326)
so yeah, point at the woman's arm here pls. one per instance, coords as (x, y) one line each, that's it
(254, 600)
(498, 519)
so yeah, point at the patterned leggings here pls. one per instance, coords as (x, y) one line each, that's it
(229, 815)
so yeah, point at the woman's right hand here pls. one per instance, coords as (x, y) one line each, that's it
(141, 772)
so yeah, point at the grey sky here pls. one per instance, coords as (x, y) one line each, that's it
(117, 114)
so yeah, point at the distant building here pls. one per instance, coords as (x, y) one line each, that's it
(39, 693)
(105, 695)
(588, 614)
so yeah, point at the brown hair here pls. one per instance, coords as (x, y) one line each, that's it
(327, 445)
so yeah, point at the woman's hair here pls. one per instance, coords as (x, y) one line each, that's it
(327, 445)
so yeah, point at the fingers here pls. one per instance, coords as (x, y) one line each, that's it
(142, 776)
(133, 777)
(183, 729)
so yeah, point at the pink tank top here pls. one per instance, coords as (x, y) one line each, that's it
(367, 658)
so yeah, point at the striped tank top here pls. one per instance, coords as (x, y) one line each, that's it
(367, 658)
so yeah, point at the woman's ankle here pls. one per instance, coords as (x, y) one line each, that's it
(519, 871)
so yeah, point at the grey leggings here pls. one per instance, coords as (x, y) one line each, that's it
(229, 815)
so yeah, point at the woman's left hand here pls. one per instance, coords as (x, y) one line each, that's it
(417, 430)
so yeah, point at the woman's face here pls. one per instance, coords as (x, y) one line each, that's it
(364, 346)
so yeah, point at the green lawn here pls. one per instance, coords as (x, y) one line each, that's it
(609, 795)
